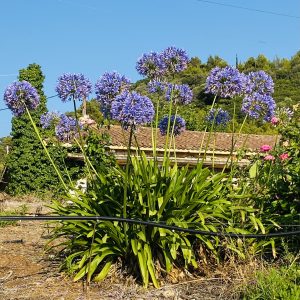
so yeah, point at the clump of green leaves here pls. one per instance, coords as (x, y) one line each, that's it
(172, 195)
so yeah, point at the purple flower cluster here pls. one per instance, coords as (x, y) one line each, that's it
(179, 125)
(181, 93)
(176, 59)
(258, 101)
(132, 109)
(156, 65)
(259, 82)
(49, 118)
(259, 105)
(151, 65)
(19, 95)
(218, 117)
(108, 86)
(225, 82)
(73, 86)
(66, 129)
(155, 86)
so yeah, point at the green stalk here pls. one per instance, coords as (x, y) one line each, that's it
(46, 150)
(172, 134)
(128, 162)
(58, 145)
(233, 130)
(201, 144)
(209, 137)
(81, 139)
(154, 133)
(168, 128)
(88, 160)
(144, 171)
(232, 147)
(272, 164)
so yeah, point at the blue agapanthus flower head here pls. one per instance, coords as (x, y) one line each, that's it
(49, 118)
(218, 117)
(151, 65)
(73, 86)
(176, 59)
(108, 86)
(178, 123)
(132, 109)
(259, 105)
(225, 82)
(19, 95)
(66, 129)
(155, 86)
(259, 82)
(181, 93)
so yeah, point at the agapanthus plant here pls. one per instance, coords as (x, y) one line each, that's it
(73, 86)
(176, 59)
(225, 82)
(180, 93)
(259, 82)
(156, 86)
(65, 126)
(19, 95)
(108, 86)
(151, 65)
(49, 118)
(66, 129)
(259, 106)
(218, 117)
(176, 123)
(132, 109)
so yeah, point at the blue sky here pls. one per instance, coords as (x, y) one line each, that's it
(94, 36)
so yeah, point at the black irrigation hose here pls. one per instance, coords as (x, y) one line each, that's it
(147, 223)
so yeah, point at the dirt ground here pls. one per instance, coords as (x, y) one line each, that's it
(28, 272)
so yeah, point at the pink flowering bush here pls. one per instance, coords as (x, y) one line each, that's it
(276, 178)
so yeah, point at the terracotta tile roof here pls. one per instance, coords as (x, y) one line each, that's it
(191, 140)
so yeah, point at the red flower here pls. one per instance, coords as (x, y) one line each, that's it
(284, 156)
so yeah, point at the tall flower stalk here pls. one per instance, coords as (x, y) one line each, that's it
(225, 82)
(72, 87)
(46, 150)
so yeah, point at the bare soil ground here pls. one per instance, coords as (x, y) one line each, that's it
(28, 272)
